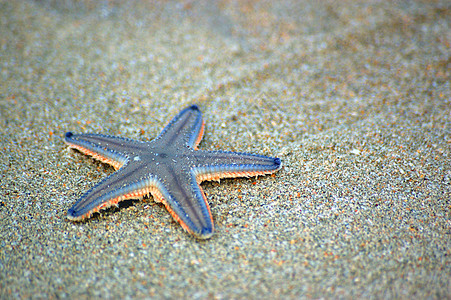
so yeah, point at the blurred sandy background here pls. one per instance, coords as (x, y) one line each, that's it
(353, 96)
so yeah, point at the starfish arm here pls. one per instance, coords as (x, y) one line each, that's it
(130, 182)
(185, 129)
(214, 165)
(186, 202)
(178, 191)
(108, 149)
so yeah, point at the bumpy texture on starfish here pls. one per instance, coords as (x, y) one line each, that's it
(170, 168)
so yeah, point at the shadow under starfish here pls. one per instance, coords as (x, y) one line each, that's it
(170, 168)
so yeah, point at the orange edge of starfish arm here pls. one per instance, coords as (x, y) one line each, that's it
(199, 136)
(115, 164)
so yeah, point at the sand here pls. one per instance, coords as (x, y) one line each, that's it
(353, 96)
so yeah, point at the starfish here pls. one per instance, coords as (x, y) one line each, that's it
(170, 168)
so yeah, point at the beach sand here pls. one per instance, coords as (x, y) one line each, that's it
(353, 96)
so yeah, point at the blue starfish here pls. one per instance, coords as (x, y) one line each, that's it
(169, 168)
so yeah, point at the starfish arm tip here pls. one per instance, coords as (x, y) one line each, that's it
(194, 107)
(68, 135)
(71, 214)
(204, 234)
(278, 162)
